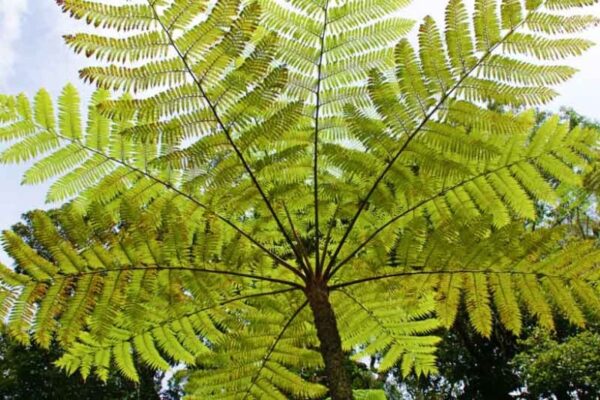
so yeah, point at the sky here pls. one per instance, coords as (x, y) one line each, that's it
(32, 56)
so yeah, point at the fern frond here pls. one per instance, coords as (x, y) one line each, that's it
(466, 72)
(399, 334)
(493, 270)
(260, 361)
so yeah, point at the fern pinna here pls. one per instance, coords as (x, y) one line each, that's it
(262, 187)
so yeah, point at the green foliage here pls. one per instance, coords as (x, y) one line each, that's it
(369, 395)
(28, 373)
(568, 370)
(389, 328)
(262, 152)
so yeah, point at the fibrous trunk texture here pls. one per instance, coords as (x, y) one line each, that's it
(340, 387)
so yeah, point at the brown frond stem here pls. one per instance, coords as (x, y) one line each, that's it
(319, 267)
(329, 235)
(190, 269)
(425, 273)
(305, 263)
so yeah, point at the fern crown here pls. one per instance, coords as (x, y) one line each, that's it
(239, 154)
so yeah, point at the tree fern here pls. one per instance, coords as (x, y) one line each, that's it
(256, 180)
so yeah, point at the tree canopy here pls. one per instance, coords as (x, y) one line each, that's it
(264, 186)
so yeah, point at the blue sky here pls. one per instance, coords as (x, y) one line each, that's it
(32, 55)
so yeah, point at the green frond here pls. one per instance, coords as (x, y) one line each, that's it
(558, 24)
(564, 300)
(123, 355)
(433, 57)
(458, 37)
(512, 14)
(122, 18)
(69, 117)
(545, 49)
(390, 327)
(33, 143)
(330, 48)
(477, 301)
(506, 302)
(535, 273)
(449, 296)
(149, 353)
(568, 4)
(486, 24)
(22, 311)
(586, 294)
(368, 395)
(513, 71)
(410, 81)
(44, 110)
(256, 364)
(535, 301)
(27, 258)
(142, 47)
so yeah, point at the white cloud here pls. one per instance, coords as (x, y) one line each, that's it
(11, 14)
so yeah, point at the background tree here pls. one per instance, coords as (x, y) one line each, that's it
(286, 183)
(564, 369)
(29, 373)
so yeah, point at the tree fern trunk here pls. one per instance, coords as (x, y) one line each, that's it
(340, 386)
